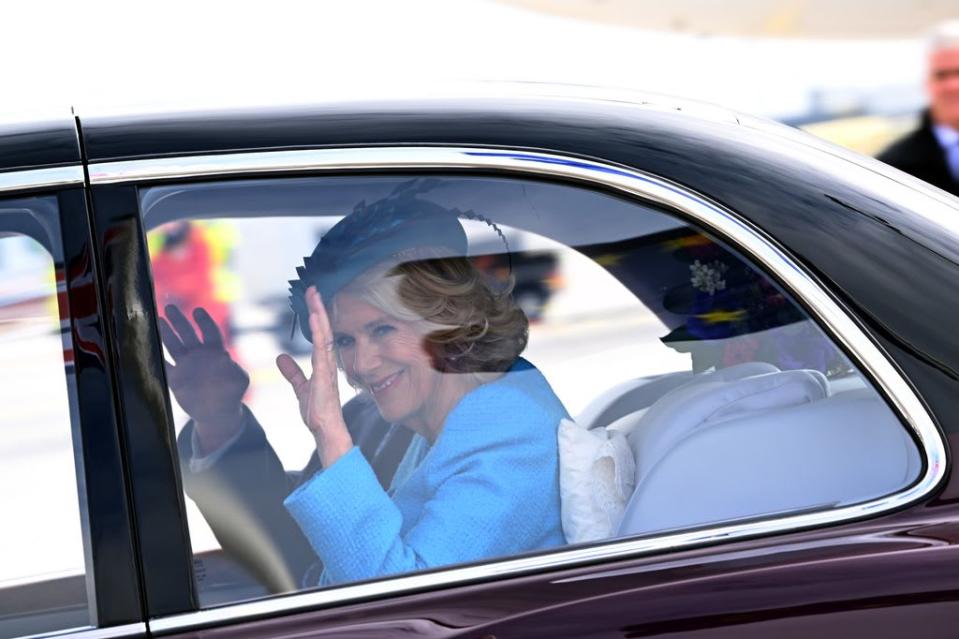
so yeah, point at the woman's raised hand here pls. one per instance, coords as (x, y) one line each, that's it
(207, 383)
(318, 394)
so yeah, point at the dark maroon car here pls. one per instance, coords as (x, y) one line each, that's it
(750, 331)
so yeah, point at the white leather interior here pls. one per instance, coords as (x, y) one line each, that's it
(718, 453)
(750, 441)
(623, 400)
(681, 413)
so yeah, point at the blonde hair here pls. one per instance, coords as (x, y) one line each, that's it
(467, 326)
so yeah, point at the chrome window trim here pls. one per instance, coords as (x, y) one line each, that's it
(707, 214)
(40, 178)
(126, 630)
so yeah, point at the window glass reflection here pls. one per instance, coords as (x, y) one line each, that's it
(374, 376)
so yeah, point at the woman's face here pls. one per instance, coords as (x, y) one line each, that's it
(384, 355)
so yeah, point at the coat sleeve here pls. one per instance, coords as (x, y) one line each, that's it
(490, 483)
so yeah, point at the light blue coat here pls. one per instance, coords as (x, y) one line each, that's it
(488, 487)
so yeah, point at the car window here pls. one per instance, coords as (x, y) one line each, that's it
(44, 561)
(499, 367)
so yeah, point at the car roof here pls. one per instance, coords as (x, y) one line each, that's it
(42, 143)
(431, 117)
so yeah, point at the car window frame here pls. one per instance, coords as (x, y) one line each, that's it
(114, 184)
(114, 573)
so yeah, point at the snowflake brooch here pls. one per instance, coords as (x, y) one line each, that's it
(708, 278)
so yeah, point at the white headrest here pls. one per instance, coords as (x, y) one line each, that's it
(682, 412)
(625, 399)
(736, 371)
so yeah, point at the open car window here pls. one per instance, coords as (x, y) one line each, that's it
(45, 562)
(578, 368)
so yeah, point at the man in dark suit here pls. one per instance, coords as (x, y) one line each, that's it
(229, 468)
(931, 152)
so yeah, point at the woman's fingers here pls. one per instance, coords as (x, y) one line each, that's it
(323, 357)
(182, 326)
(170, 340)
(320, 343)
(292, 372)
(208, 328)
(314, 304)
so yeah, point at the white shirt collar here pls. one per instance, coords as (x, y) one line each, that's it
(947, 136)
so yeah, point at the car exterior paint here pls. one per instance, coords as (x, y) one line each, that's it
(851, 226)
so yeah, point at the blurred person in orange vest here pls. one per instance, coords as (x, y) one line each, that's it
(188, 264)
(931, 152)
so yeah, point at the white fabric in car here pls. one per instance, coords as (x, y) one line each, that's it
(684, 411)
(624, 399)
(628, 423)
(596, 478)
(840, 450)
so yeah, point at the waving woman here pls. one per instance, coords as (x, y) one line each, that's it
(388, 297)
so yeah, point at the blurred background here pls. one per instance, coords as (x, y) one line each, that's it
(850, 71)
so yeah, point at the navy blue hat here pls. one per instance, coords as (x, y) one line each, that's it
(370, 235)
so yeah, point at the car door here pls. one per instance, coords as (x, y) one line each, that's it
(670, 312)
(68, 562)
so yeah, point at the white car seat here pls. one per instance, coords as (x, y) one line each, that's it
(763, 445)
(631, 396)
(683, 412)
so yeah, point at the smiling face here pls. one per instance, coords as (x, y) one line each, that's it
(384, 356)
(942, 86)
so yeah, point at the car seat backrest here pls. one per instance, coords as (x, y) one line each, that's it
(756, 460)
(681, 413)
(627, 398)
